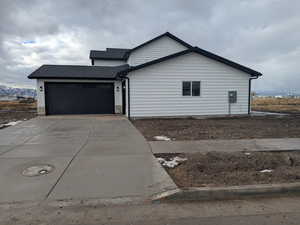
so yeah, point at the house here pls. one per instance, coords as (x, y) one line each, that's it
(163, 77)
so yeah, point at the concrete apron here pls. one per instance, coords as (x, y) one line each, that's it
(95, 159)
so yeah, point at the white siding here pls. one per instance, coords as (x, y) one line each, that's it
(41, 92)
(156, 90)
(157, 49)
(98, 62)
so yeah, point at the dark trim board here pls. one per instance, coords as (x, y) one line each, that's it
(198, 51)
(167, 34)
(81, 78)
(79, 98)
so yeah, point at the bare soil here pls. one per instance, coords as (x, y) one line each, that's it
(221, 128)
(215, 169)
(16, 110)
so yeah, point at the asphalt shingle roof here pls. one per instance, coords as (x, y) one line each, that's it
(77, 72)
(110, 53)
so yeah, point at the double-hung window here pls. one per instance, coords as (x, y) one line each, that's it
(191, 88)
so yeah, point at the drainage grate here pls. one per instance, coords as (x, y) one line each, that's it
(37, 170)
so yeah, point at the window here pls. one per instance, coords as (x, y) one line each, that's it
(186, 88)
(196, 88)
(191, 88)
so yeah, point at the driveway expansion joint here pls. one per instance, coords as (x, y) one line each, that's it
(68, 165)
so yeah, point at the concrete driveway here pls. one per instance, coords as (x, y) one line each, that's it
(94, 157)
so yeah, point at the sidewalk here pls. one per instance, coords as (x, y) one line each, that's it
(269, 144)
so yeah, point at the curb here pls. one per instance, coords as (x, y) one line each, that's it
(232, 192)
(165, 194)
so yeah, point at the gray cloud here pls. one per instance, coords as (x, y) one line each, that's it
(261, 34)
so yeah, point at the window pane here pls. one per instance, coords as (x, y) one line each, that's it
(186, 88)
(196, 88)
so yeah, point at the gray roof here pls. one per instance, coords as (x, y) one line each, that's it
(77, 72)
(110, 53)
(123, 53)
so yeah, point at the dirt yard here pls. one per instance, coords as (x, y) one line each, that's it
(283, 105)
(221, 128)
(11, 111)
(215, 169)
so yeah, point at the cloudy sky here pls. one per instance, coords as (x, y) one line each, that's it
(261, 34)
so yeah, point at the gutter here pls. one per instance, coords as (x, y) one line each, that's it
(249, 94)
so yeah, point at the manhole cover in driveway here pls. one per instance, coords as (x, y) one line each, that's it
(37, 170)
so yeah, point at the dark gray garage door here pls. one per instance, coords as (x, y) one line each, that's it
(79, 98)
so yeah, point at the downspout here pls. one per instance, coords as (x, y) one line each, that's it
(92, 60)
(249, 94)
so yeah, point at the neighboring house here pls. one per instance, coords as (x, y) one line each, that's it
(163, 77)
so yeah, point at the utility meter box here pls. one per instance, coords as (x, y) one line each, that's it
(232, 96)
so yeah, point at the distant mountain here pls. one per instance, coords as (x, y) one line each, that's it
(10, 91)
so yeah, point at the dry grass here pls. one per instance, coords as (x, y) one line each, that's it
(17, 106)
(284, 105)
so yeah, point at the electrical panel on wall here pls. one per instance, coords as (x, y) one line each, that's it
(232, 96)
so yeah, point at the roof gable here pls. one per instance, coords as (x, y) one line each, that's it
(201, 52)
(123, 53)
(167, 34)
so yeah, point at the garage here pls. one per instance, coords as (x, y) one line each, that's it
(75, 89)
(79, 98)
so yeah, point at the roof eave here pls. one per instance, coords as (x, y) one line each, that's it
(74, 78)
(160, 36)
(105, 58)
(210, 55)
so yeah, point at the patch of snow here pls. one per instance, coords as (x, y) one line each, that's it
(162, 138)
(247, 153)
(179, 159)
(172, 163)
(160, 160)
(13, 123)
(266, 171)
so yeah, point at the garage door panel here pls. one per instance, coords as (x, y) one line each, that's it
(79, 98)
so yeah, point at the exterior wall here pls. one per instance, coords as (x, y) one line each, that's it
(98, 62)
(118, 97)
(156, 90)
(157, 49)
(41, 92)
(40, 96)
